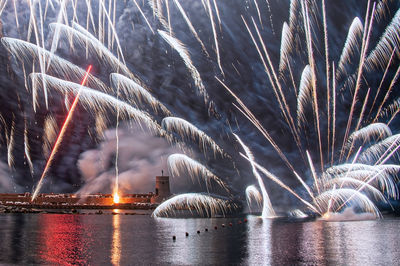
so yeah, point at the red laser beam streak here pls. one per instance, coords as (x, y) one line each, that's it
(61, 134)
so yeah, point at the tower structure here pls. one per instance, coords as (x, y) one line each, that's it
(162, 191)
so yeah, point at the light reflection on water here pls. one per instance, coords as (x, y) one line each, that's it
(259, 241)
(63, 239)
(129, 239)
(116, 246)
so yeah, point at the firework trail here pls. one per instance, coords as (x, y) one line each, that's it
(189, 23)
(268, 210)
(26, 52)
(210, 13)
(364, 48)
(133, 90)
(253, 193)
(84, 38)
(60, 137)
(371, 133)
(378, 133)
(341, 197)
(350, 48)
(143, 15)
(184, 54)
(10, 145)
(27, 148)
(50, 134)
(204, 205)
(298, 214)
(177, 162)
(98, 101)
(116, 185)
(276, 180)
(187, 130)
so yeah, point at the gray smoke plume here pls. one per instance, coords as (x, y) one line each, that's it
(141, 158)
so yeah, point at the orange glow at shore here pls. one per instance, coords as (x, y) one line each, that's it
(116, 197)
(326, 216)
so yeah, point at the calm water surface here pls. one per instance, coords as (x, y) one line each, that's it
(128, 240)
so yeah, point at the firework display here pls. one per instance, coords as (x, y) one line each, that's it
(301, 110)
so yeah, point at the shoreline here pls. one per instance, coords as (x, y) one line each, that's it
(98, 210)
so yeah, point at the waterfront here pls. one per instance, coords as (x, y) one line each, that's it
(141, 239)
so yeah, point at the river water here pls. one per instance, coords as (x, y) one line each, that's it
(141, 239)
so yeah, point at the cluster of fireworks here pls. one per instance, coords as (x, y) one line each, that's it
(355, 168)
(362, 154)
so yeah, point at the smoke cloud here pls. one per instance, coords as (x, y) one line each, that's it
(141, 158)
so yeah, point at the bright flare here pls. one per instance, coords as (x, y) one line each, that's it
(116, 197)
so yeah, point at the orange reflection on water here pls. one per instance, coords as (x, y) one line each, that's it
(116, 241)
